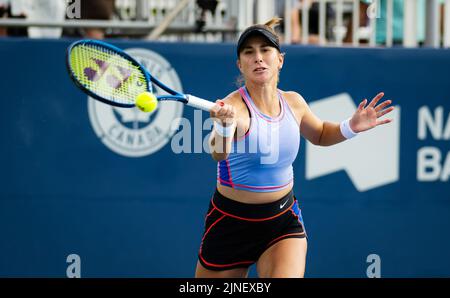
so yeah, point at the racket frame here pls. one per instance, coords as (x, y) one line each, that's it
(173, 95)
(148, 77)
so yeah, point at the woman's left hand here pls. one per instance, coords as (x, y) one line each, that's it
(366, 118)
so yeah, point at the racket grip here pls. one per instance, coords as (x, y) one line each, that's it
(199, 103)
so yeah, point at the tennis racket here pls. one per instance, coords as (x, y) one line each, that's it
(110, 75)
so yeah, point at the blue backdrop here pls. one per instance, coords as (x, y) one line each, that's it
(64, 192)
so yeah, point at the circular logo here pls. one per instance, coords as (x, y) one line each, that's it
(130, 132)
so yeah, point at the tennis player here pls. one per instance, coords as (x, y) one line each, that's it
(253, 216)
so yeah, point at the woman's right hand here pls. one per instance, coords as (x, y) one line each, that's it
(223, 113)
(220, 141)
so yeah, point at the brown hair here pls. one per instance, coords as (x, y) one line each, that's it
(272, 23)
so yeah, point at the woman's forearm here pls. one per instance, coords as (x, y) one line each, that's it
(331, 134)
(220, 147)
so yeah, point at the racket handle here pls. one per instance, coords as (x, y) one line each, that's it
(199, 103)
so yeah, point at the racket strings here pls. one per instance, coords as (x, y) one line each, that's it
(107, 74)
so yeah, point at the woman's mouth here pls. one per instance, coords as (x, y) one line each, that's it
(259, 69)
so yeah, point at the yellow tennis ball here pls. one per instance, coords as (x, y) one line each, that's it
(146, 102)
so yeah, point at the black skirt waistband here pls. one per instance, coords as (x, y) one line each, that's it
(252, 211)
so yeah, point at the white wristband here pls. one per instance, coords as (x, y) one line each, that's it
(346, 131)
(224, 131)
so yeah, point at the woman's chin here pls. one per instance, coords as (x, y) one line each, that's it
(261, 79)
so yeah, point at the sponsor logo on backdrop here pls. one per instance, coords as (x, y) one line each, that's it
(130, 132)
(371, 160)
(433, 134)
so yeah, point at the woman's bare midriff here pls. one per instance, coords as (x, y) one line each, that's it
(250, 197)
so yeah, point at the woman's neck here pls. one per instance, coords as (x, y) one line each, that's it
(265, 97)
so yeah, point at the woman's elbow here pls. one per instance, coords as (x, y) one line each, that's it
(219, 156)
(315, 141)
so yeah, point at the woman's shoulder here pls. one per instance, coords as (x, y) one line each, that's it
(294, 99)
(235, 99)
(232, 98)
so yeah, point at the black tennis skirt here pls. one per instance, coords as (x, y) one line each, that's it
(236, 234)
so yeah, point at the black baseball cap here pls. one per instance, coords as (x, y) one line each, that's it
(258, 30)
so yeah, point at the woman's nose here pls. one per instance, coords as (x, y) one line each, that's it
(258, 57)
